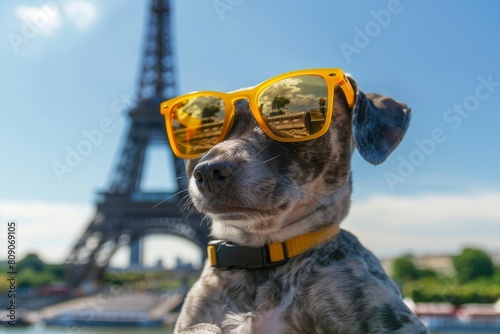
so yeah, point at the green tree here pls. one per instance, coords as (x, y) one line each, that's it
(31, 261)
(29, 277)
(472, 263)
(279, 102)
(403, 269)
(58, 270)
(426, 273)
(209, 111)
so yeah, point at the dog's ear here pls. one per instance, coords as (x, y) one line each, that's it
(379, 123)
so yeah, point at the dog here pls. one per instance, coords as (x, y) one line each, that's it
(260, 193)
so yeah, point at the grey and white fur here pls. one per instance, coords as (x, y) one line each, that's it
(257, 191)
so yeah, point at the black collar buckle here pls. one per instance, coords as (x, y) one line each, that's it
(230, 256)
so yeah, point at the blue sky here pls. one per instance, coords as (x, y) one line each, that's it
(70, 66)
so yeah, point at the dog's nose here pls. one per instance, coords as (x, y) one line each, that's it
(211, 177)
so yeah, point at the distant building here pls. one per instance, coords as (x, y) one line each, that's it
(159, 264)
(495, 257)
(441, 264)
(181, 266)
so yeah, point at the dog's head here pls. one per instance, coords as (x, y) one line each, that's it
(257, 190)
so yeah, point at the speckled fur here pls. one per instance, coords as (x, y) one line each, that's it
(279, 190)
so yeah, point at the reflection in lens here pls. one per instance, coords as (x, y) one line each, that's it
(197, 123)
(295, 107)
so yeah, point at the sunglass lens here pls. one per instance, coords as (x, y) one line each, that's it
(295, 107)
(197, 123)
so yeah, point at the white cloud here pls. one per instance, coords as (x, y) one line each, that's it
(82, 13)
(47, 228)
(39, 19)
(49, 18)
(389, 225)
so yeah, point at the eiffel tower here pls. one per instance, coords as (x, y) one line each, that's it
(125, 214)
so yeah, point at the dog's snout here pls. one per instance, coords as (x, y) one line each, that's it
(211, 177)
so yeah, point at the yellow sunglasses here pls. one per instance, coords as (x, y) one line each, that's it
(291, 107)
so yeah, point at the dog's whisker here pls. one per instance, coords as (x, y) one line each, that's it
(189, 213)
(320, 193)
(188, 206)
(166, 199)
(320, 205)
(174, 180)
(187, 202)
(205, 219)
(279, 155)
(265, 146)
(185, 198)
(191, 210)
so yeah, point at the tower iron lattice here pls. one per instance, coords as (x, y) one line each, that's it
(125, 213)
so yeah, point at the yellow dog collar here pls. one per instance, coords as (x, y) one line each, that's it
(225, 255)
